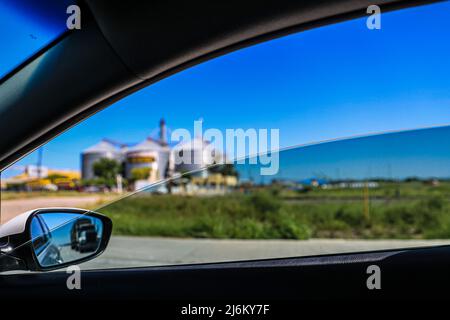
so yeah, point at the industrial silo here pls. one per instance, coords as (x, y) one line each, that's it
(194, 155)
(153, 154)
(145, 155)
(101, 150)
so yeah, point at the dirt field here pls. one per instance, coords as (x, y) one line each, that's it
(11, 208)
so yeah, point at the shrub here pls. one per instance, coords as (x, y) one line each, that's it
(263, 215)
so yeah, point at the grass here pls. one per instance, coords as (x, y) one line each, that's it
(408, 210)
(268, 215)
(386, 190)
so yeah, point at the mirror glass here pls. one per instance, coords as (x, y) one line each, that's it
(60, 238)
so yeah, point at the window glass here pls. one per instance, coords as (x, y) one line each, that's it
(326, 141)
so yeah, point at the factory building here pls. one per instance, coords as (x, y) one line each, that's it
(104, 149)
(150, 154)
(195, 155)
(41, 178)
(152, 159)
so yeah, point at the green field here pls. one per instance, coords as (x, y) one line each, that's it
(412, 210)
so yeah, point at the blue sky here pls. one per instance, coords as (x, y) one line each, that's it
(335, 81)
(27, 26)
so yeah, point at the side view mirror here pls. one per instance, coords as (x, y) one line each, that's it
(52, 238)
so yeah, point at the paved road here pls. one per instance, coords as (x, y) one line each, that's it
(11, 208)
(125, 252)
(138, 252)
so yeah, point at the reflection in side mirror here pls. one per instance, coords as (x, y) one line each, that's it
(48, 239)
(60, 238)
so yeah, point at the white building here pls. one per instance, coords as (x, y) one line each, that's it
(105, 149)
(153, 155)
(150, 154)
(195, 155)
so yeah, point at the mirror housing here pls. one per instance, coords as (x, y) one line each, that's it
(19, 251)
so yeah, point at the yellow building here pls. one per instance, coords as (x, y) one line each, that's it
(215, 179)
(43, 178)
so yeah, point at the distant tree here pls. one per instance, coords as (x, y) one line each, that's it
(186, 175)
(140, 173)
(412, 179)
(227, 169)
(55, 176)
(107, 170)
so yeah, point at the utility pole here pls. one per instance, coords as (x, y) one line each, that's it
(366, 202)
(119, 183)
(39, 162)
